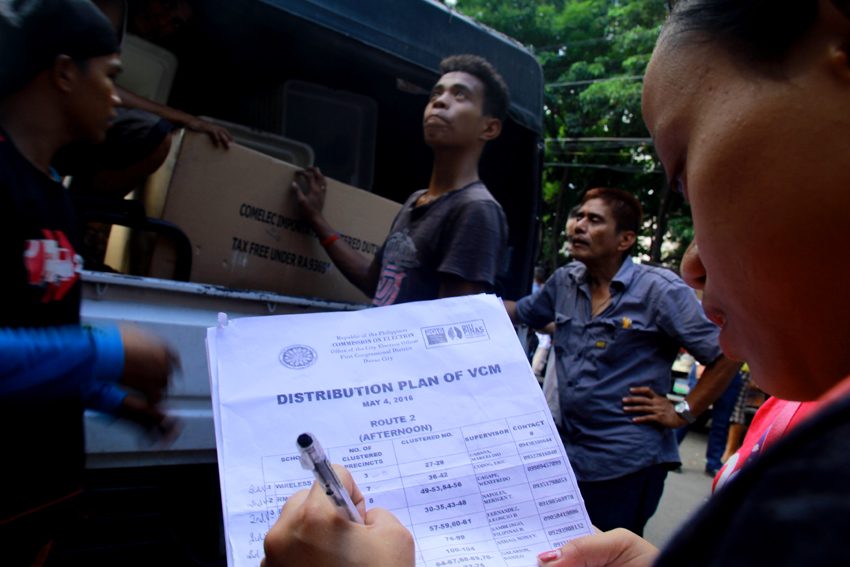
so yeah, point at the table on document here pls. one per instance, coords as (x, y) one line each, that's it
(481, 494)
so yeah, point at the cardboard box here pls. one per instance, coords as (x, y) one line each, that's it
(238, 210)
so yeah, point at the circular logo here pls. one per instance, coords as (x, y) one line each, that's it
(298, 357)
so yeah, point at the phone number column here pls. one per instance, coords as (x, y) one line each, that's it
(446, 509)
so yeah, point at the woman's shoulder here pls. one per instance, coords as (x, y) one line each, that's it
(785, 507)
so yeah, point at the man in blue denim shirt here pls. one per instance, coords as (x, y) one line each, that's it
(618, 328)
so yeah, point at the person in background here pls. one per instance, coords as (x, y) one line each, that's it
(544, 339)
(58, 60)
(750, 398)
(449, 239)
(619, 326)
(139, 137)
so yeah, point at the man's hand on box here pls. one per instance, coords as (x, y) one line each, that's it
(219, 135)
(310, 187)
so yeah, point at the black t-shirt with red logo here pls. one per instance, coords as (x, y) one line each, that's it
(37, 246)
(42, 438)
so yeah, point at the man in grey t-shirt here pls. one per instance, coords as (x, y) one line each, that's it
(450, 238)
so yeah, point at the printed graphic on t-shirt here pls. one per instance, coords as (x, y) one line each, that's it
(52, 264)
(399, 256)
(731, 467)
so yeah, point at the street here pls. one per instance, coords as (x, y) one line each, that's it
(683, 492)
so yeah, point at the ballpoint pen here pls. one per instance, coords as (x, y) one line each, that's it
(313, 458)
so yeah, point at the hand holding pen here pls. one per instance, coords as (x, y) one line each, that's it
(313, 458)
(312, 531)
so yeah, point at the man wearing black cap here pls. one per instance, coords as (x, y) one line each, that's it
(58, 59)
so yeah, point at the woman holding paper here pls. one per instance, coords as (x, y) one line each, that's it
(749, 106)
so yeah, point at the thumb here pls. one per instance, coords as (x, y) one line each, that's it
(301, 188)
(385, 527)
(615, 548)
(379, 517)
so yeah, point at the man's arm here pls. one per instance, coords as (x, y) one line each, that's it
(115, 11)
(510, 307)
(453, 286)
(218, 134)
(53, 361)
(714, 380)
(356, 267)
(680, 315)
(656, 408)
(538, 310)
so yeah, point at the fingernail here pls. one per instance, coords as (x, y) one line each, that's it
(549, 556)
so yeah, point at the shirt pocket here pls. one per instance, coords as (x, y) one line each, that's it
(601, 340)
(629, 353)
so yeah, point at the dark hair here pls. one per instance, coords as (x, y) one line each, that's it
(34, 33)
(624, 206)
(496, 93)
(762, 30)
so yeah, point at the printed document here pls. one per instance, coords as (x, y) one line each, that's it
(433, 408)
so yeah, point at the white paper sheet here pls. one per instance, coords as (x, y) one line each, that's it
(433, 408)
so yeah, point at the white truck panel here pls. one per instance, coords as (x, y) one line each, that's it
(180, 313)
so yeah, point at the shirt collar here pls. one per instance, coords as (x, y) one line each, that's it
(625, 274)
(622, 279)
(577, 271)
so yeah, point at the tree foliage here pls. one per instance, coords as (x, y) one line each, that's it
(593, 54)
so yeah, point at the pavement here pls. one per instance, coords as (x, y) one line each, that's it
(683, 492)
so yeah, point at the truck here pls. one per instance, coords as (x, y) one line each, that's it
(151, 502)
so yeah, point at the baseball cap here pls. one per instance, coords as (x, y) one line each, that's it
(34, 32)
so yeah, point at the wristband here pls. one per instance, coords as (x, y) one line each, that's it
(328, 240)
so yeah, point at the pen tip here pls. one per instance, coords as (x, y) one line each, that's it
(304, 440)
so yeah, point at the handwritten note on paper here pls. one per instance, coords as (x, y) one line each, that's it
(433, 408)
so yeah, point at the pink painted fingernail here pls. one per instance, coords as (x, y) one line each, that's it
(549, 556)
